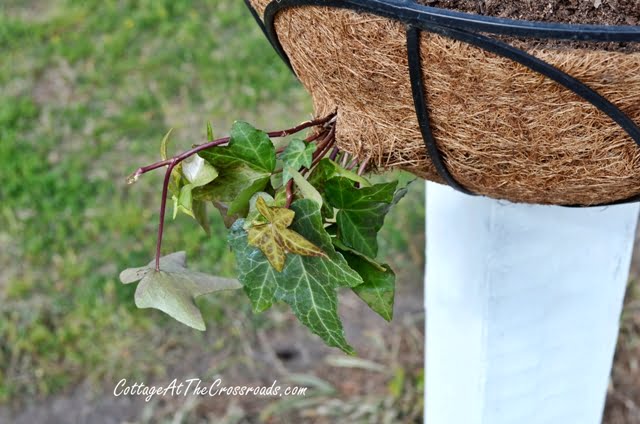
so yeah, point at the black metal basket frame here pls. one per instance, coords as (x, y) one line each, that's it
(474, 30)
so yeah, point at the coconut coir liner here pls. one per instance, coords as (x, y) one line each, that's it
(505, 131)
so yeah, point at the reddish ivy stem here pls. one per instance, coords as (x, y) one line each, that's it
(289, 194)
(174, 161)
(273, 134)
(353, 164)
(363, 165)
(334, 153)
(323, 148)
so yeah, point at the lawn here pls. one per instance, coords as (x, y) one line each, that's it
(87, 90)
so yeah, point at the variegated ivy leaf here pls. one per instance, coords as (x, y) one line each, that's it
(298, 154)
(254, 216)
(307, 283)
(275, 240)
(174, 288)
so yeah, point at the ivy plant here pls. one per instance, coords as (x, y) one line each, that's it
(302, 222)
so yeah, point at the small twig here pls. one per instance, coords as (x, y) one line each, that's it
(321, 152)
(334, 153)
(345, 159)
(363, 165)
(322, 144)
(353, 164)
(289, 193)
(163, 207)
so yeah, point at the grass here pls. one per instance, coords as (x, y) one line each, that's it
(87, 90)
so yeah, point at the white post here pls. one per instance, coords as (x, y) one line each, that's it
(523, 306)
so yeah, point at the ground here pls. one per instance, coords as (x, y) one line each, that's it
(87, 90)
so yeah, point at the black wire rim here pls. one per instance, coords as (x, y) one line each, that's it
(472, 29)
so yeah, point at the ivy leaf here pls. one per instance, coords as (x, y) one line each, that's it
(344, 248)
(361, 212)
(183, 202)
(328, 169)
(174, 182)
(308, 191)
(248, 146)
(298, 154)
(275, 240)
(233, 189)
(245, 166)
(199, 209)
(199, 173)
(307, 283)
(164, 144)
(254, 215)
(276, 180)
(378, 289)
(209, 132)
(174, 288)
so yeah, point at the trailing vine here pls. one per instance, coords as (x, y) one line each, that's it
(303, 221)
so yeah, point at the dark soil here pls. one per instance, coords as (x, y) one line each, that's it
(603, 12)
(609, 12)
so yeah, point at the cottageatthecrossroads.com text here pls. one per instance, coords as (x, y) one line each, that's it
(197, 387)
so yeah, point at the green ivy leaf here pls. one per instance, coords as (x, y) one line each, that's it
(344, 248)
(233, 189)
(298, 154)
(174, 288)
(164, 144)
(247, 146)
(175, 180)
(328, 169)
(361, 212)
(199, 209)
(378, 289)
(307, 190)
(209, 132)
(308, 284)
(197, 172)
(245, 166)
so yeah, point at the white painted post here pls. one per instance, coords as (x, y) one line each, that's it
(523, 305)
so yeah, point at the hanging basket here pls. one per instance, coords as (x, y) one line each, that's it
(476, 102)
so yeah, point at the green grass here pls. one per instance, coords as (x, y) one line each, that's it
(87, 90)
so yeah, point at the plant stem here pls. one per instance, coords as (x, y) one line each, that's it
(273, 134)
(363, 165)
(289, 194)
(163, 207)
(353, 164)
(345, 159)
